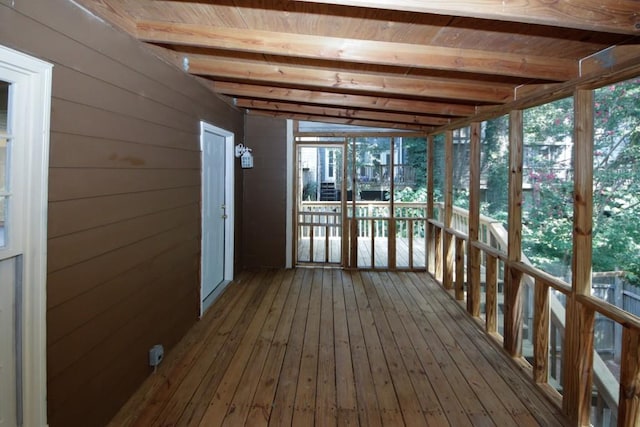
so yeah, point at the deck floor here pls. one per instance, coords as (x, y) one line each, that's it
(327, 347)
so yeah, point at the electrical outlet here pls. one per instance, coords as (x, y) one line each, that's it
(156, 353)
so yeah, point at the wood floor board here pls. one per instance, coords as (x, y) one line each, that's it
(367, 400)
(283, 403)
(221, 399)
(217, 358)
(390, 410)
(428, 318)
(518, 384)
(326, 401)
(305, 400)
(498, 387)
(328, 347)
(263, 398)
(424, 392)
(407, 397)
(347, 405)
(240, 404)
(446, 400)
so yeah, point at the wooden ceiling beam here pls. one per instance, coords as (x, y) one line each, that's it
(284, 75)
(360, 51)
(612, 16)
(291, 107)
(342, 121)
(611, 59)
(340, 99)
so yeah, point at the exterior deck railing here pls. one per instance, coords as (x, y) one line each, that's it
(369, 220)
(448, 266)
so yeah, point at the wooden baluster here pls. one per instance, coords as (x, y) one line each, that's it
(554, 353)
(437, 238)
(492, 293)
(629, 403)
(410, 236)
(459, 286)
(311, 238)
(373, 243)
(326, 241)
(353, 242)
(448, 248)
(541, 333)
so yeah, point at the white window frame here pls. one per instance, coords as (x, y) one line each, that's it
(31, 98)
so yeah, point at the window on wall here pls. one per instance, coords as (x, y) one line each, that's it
(4, 160)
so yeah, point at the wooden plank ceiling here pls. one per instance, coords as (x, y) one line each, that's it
(406, 64)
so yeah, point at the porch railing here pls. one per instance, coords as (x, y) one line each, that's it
(448, 265)
(369, 221)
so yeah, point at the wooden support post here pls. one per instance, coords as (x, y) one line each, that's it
(473, 253)
(629, 403)
(541, 333)
(512, 276)
(430, 246)
(391, 227)
(344, 221)
(447, 243)
(578, 360)
(492, 293)
(459, 287)
(353, 237)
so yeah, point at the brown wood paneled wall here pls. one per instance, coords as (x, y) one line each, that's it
(265, 189)
(124, 207)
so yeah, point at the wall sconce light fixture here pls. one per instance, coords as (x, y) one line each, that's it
(246, 158)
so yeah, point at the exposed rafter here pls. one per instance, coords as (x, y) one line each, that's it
(356, 50)
(342, 121)
(404, 63)
(333, 99)
(291, 107)
(614, 16)
(221, 67)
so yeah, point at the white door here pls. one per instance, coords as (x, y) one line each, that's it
(217, 211)
(24, 117)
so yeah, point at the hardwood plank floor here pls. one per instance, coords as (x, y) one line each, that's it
(328, 347)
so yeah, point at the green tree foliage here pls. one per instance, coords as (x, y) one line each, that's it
(416, 158)
(548, 207)
(494, 167)
(616, 192)
(547, 221)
